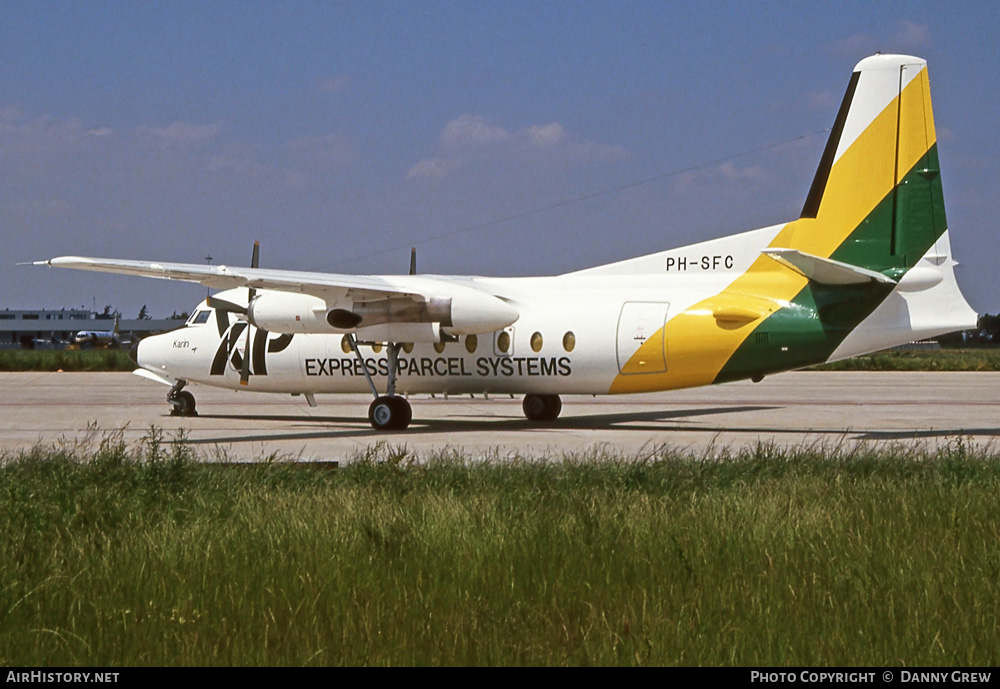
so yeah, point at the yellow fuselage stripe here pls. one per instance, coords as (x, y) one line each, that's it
(697, 344)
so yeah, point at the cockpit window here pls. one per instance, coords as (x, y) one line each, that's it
(199, 317)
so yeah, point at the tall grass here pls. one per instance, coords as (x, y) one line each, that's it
(65, 360)
(140, 555)
(972, 359)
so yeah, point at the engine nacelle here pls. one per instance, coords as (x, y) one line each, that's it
(396, 319)
(400, 332)
(466, 312)
(287, 312)
(474, 312)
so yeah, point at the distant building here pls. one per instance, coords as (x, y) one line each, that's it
(43, 328)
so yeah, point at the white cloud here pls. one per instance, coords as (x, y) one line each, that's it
(714, 175)
(181, 133)
(470, 137)
(546, 134)
(730, 171)
(472, 130)
(39, 137)
(433, 167)
(100, 132)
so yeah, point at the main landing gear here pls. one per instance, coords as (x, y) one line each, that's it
(541, 407)
(181, 401)
(388, 412)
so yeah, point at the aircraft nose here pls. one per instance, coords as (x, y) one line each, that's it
(133, 352)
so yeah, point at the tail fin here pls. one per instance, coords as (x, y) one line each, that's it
(876, 201)
(868, 264)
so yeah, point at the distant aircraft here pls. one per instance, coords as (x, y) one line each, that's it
(107, 339)
(867, 265)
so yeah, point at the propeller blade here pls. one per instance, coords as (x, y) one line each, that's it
(251, 293)
(254, 263)
(245, 367)
(413, 260)
(223, 305)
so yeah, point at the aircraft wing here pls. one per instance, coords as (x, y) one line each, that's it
(456, 304)
(325, 285)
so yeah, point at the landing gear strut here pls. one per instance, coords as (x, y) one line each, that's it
(541, 407)
(388, 412)
(181, 401)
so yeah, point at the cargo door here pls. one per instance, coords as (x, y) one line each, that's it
(640, 331)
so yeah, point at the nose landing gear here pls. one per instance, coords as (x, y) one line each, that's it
(181, 401)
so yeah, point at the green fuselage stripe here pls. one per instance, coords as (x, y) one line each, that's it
(818, 319)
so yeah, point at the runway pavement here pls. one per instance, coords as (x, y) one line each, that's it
(791, 409)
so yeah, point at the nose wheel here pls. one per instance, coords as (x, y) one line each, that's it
(181, 401)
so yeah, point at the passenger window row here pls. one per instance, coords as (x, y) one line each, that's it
(503, 343)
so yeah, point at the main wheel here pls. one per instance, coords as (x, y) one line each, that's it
(405, 412)
(541, 407)
(390, 413)
(183, 404)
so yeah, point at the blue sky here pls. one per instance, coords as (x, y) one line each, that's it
(341, 133)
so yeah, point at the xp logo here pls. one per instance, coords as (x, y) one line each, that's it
(233, 338)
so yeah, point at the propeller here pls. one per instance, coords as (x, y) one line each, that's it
(251, 293)
(413, 260)
(223, 305)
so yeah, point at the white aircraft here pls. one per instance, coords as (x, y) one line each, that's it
(98, 338)
(866, 266)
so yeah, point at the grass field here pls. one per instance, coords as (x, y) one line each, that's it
(116, 555)
(65, 360)
(945, 359)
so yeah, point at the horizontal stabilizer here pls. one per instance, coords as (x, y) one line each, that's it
(825, 271)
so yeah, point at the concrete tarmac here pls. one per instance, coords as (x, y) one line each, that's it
(792, 409)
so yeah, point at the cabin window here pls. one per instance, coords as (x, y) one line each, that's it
(407, 347)
(569, 341)
(503, 342)
(439, 347)
(345, 344)
(471, 342)
(536, 342)
(376, 347)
